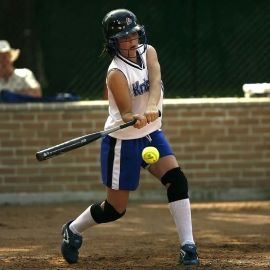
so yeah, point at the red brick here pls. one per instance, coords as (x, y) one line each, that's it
(23, 116)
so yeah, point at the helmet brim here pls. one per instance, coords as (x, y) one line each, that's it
(127, 32)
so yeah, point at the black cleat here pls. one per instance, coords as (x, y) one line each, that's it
(71, 244)
(188, 255)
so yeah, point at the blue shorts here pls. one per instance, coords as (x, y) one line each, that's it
(121, 160)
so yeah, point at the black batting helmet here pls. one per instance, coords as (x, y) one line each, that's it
(120, 23)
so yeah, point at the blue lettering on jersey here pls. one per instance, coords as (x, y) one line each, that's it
(139, 89)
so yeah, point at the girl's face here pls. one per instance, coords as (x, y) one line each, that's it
(128, 46)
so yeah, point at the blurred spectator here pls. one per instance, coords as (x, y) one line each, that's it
(16, 80)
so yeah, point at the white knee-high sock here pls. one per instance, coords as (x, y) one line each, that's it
(82, 222)
(181, 212)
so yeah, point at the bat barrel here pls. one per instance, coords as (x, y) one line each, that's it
(66, 146)
(56, 150)
(51, 152)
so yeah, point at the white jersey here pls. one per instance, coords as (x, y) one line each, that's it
(138, 82)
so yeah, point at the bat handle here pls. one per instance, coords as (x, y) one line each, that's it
(130, 123)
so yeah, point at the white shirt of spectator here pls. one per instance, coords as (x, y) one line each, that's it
(20, 79)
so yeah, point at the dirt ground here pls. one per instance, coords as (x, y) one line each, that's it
(229, 235)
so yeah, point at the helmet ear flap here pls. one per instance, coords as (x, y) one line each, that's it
(142, 35)
(112, 47)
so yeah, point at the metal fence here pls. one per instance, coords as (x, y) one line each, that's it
(205, 47)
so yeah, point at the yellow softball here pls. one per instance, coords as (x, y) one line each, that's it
(150, 155)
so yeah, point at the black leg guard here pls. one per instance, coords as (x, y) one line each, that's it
(104, 212)
(176, 183)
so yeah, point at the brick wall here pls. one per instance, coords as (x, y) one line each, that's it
(223, 146)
